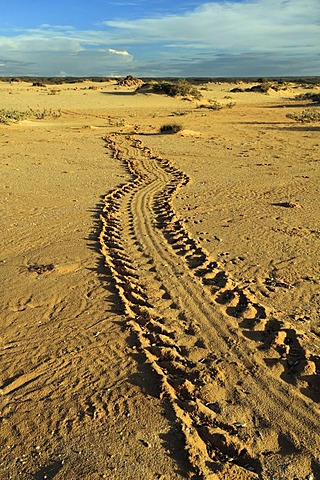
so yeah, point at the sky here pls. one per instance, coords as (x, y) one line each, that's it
(153, 38)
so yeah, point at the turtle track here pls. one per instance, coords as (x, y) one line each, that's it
(273, 336)
(189, 318)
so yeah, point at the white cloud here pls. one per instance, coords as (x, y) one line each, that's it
(118, 52)
(49, 50)
(215, 38)
(251, 25)
(51, 39)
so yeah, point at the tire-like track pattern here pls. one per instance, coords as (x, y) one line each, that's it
(198, 328)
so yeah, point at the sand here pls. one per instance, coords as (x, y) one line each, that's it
(160, 293)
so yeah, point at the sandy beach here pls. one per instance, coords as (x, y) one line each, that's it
(160, 292)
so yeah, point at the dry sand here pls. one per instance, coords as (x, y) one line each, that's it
(160, 293)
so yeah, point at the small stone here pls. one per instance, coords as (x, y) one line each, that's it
(239, 425)
(280, 338)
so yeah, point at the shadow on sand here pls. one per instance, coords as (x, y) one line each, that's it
(120, 94)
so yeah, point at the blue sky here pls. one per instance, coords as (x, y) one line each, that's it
(159, 38)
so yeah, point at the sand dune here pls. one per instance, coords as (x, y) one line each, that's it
(159, 316)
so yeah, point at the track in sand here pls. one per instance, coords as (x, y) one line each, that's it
(241, 384)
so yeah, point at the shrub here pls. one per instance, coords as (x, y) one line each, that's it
(212, 106)
(181, 88)
(54, 91)
(215, 105)
(8, 116)
(313, 96)
(38, 84)
(261, 88)
(45, 113)
(180, 113)
(306, 116)
(170, 128)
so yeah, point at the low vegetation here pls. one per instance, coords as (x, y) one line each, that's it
(180, 113)
(38, 84)
(171, 128)
(180, 88)
(263, 87)
(312, 96)
(8, 116)
(306, 116)
(215, 105)
(45, 113)
(54, 91)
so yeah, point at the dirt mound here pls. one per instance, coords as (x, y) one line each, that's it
(130, 81)
(146, 87)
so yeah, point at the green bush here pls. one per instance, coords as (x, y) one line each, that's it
(181, 88)
(9, 115)
(215, 105)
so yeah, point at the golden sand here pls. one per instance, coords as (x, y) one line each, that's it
(160, 293)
